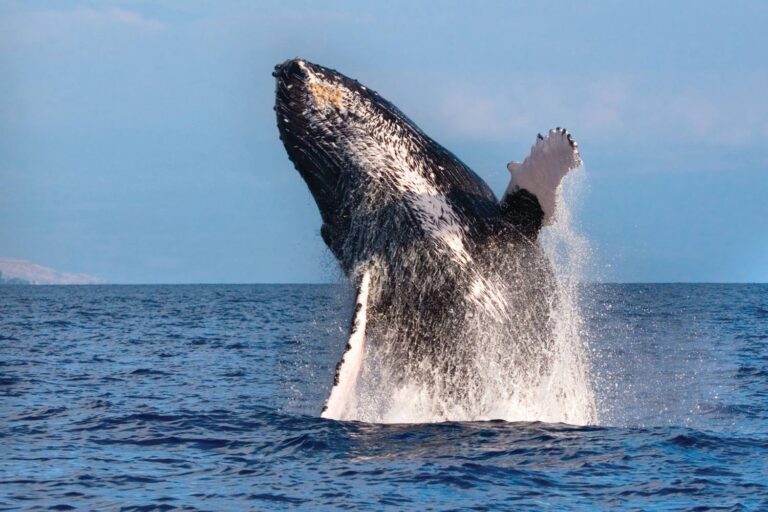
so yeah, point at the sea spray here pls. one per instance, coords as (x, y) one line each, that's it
(570, 254)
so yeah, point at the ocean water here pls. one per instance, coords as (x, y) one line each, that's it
(208, 398)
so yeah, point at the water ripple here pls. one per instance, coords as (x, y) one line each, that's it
(207, 398)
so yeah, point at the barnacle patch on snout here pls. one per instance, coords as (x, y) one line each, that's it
(326, 95)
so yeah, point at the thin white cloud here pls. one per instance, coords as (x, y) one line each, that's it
(32, 27)
(605, 109)
(125, 17)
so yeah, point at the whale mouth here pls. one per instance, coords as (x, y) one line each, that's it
(321, 84)
(308, 92)
(291, 76)
(297, 70)
(306, 101)
(291, 67)
(291, 93)
(345, 139)
(320, 114)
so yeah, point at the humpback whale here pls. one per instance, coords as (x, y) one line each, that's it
(449, 278)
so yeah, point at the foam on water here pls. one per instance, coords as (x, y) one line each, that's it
(524, 360)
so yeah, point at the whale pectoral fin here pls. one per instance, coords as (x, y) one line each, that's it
(529, 201)
(348, 369)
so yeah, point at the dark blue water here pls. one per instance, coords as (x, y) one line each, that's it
(207, 398)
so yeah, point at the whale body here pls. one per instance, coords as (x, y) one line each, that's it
(449, 277)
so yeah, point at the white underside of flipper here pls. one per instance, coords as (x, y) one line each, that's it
(541, 173)
(348, 370)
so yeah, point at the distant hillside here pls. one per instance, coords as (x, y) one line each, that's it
(24, 272)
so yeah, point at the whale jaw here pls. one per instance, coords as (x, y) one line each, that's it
(368, 166)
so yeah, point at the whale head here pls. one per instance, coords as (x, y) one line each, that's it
(357, 151)
(337, 132)
(313, 100)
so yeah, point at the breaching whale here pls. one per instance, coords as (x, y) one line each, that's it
(435, 256)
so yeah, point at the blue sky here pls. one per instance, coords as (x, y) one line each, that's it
(138, 142)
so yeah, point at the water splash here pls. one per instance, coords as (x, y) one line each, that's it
(518, 357)
(570, 254)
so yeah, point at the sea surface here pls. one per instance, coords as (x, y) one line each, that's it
(208, 398)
